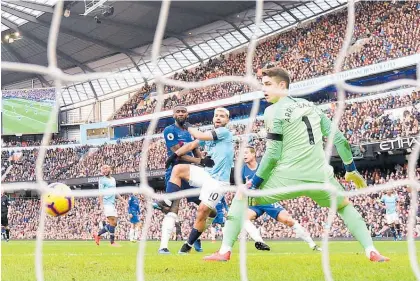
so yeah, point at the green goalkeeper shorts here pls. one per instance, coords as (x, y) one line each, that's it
(275, 181)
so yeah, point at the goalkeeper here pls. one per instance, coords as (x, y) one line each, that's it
(294, 156)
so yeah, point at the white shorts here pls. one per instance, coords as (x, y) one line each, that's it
(392, 218)
(110, 211)
(200, 178)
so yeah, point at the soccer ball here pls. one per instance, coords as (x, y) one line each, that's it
(58, 205)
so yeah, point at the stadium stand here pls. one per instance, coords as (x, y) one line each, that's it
(384, 32)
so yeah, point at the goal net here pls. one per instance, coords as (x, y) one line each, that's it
(59, 77)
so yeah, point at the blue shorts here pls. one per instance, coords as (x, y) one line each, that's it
(219, 219)
(272, 210)
(135, 219)
(184, 185)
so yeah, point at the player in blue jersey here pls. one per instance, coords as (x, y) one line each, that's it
(219, 220)
(276, 211)
(107, 204)
(390, 203)
(175, 137)
(219, 146)
(134, 215)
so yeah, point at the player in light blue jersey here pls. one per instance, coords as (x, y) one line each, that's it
(107, 204)
(219, 146)
(275, 210)
(134, 215)
(390, 203)
(219, 220)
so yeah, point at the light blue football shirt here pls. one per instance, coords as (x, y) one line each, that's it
(390, 203)
(221, 150)
(108, 183)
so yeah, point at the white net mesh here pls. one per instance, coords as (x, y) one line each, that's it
(249, 79)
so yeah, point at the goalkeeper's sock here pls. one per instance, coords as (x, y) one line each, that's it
(357, 227)
(112, 233)
(103, 230)
(233, 225)
(7, 233)
(303, 234)
(131, 234)
(168, 224)
(253, 231)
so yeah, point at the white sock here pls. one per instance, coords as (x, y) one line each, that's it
(370, 249)
(131, 234)
(136, 234)
(303, 234)
(168, 224)
(224, 249)
(253, 231)
(213, 233)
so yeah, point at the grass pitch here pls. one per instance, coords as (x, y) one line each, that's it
(25, 117)
(79, 261)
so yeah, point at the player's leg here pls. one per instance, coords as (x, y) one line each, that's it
(111, 228)
(168, 222)
(5, 224)
(351, 217)
(137, 230)
(209, 200)
(131, 233)
(254, 213)
(397, 226)
(3, 232)
(281, 215)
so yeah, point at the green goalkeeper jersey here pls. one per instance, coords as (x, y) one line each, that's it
(294, 148)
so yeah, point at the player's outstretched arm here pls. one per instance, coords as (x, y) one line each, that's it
(343, 149)
(273, 151)
(204, 136)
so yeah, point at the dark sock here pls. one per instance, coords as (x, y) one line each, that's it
(104, 230)
(398, 229)
(394, 233)
(112, 233)
(194, 235)
(7, 233)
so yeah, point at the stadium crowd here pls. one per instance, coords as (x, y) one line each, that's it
(363, 121)
(383, 31)
(30, 143)
(46, 94)
(84, 219)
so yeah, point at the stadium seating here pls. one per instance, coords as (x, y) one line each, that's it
(384, 31)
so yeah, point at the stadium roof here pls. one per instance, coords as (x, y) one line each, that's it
(195, 32)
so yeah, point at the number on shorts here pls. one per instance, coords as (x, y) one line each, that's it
(213, 196)
(309, 130)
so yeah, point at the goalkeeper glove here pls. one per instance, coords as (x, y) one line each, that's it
(353, 175)
(207, 162)
(171, 160)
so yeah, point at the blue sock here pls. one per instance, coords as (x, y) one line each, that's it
(111, 233)
(172, 187)
(194, 235)
(103, 230)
